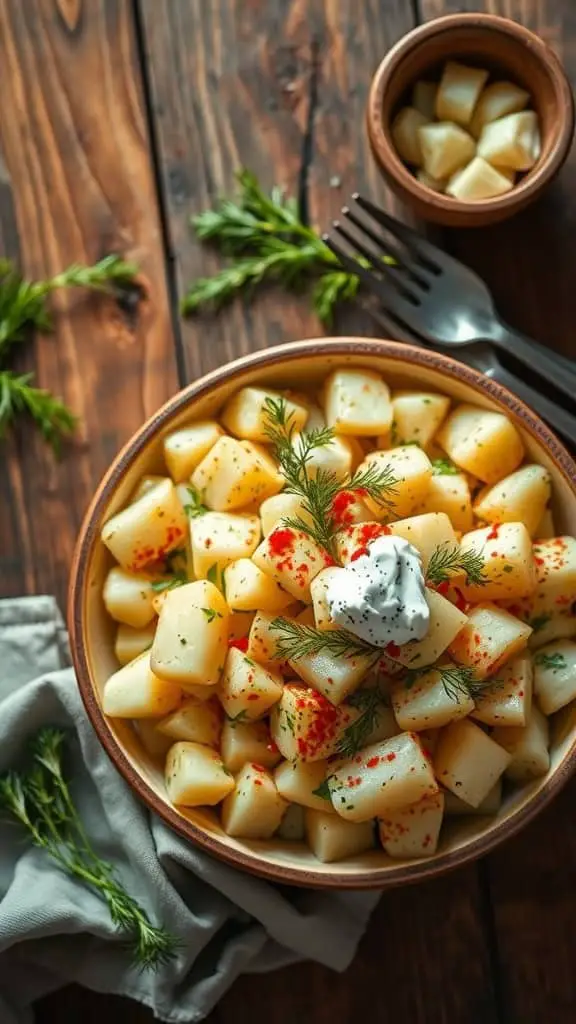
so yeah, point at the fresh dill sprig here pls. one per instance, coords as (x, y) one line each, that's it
(41, 801)
(356, 735)
(297, 641)
(23, 309)
(18, 397)
(267, 240)
(449, 559)
(294, 451)
(457, 680)
(194, 508)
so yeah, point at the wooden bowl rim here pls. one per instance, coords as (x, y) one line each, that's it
(526, 189)
(89, 536)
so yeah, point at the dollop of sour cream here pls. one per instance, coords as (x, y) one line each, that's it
(381, 597)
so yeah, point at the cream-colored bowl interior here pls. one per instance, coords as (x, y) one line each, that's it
(303, 365)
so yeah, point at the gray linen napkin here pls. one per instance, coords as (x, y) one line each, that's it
(53, 930)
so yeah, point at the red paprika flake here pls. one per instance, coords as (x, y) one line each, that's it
(241, 644)
(493, 533)
(392, 649)
(281, 540)
(372, 762)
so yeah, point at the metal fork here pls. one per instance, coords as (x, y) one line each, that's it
(436, 296)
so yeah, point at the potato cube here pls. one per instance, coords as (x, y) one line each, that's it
(357, 402)
(527, 747)
(248, 588)
(416, 417)
(454, 806)
(184, 449)
(131, 642)
(353, 541)
(254, 808)
(521, 497)
(291, 558)
(148, 529)
(338, 457)
(405, 134)
(349, 509)
(445, 148)
(412, 471)
(427, 704)
(385, 725)
(551, 627)
(546, 529)
(446, 623)
(281, 506)
(555, 564)
(246, 414)
(128, 597)
(331, 839)
(490, 638)
(332, 675)
(468, 762)
(135, 692)
(263, 640)
(424, 98)
(436, 184)
(196, 776)
(219, 538)
(246, 689)
(154, 743)
(512, 141)
(483, 443)
(297, 782)
(427, 532)
(291, 827)
(145, 484)
(508, 569)
(192, 635)
(306, 726)
(413, 831)
(195, 720)
(450, 493)
(236, 473)
(496, 100)
(318, 592)
(458, 92)
(507, 699)
(380, 778)
(478, 180)
(555, 675)
(242, 742)
(239, 625)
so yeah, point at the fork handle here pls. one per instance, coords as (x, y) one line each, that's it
(557, 417)
(556, 369)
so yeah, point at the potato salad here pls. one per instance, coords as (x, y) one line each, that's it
(343, 615)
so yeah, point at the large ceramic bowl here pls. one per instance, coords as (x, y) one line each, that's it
(92, 632)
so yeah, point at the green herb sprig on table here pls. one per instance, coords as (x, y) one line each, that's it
(23, 310)
(41, 801)
(266, 240)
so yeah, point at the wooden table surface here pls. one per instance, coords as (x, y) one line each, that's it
(119, 120)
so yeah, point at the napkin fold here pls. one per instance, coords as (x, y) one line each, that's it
(53, 930)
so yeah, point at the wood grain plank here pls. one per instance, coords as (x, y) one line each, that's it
(76, 151)
(528, 265)
(282, 88)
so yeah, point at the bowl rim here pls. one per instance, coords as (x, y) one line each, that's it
(388, 158)
(398, 352)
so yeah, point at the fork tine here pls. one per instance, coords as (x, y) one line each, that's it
(423, 249)
(403, 259)
(354, 267)
(398, 284)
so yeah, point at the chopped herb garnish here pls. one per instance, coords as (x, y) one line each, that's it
(194, 508)
(444, 467)
(323, 791)
(555, 662)
(211, 614)
(539, 621)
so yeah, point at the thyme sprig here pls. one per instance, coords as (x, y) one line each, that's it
(293, 451)
(448, 560)
(267, 240)
(23, 309)
(40, 800)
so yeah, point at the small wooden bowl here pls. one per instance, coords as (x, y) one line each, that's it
(507, 50)
(92, 631)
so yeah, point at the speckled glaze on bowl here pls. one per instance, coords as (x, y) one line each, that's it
(301, 363)
(503, 47)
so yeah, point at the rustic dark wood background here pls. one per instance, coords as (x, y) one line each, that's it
(118, 120)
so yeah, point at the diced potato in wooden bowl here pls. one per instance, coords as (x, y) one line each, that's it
(318, 674)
